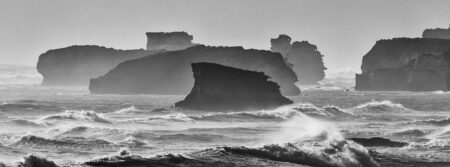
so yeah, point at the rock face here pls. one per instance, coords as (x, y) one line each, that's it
(170, 73)
(406, 64)
(302, 57)
(282, 44)
(439, 33)
(222, 88)
(75, 65)
(168, 41)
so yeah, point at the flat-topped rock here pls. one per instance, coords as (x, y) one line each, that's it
(168, 41)
(170, 72)
(75, 65)
(439, 33)
(222, 88)
(405, 64)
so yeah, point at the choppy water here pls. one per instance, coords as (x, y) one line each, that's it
(72, 127)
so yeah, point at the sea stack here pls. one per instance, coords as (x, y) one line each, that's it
(302, 57)
(439, 33)
(170, 72)
(222, 88)
(75, 65)
(406, 64)
(168, 41)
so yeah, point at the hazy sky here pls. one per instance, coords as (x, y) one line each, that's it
(343, 30)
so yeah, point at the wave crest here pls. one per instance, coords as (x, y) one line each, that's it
(77, 115)
(375, 107)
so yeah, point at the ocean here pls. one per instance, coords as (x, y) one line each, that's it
(326, 126)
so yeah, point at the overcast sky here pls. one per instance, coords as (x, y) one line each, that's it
(343, 30)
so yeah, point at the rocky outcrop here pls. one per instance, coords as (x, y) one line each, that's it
(282, 44)
(406, 64)
(222, 88)
(302, 57)
(75, 65)
(170, 73)
(378, 142)
(439, 33)
(168, 41)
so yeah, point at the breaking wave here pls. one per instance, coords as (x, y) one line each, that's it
(313, 142)
(300, 140)
(440, 92)
(440, 122)
(27, 123)
(409, 133)
(193, 137)
(131, 141)
(31, 140)
(174, 117)
(128, 109)
(440, 139)
(279, 114)
(376, 107)
(77, 115)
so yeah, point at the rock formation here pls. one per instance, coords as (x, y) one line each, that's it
(302, 57)
(282, 44)
(75, 65)
(222, 88)
(378, 142)
(406, 64)
(439, 33)
(170, 73)
(168, 41)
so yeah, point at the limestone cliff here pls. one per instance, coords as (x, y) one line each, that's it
(282, 44)
(439, 33)
(302, 57)
(170, 73)
(75, 65)
(168, 41)
(222, 88)
(307, 62)
(405, 64)
(394, 53)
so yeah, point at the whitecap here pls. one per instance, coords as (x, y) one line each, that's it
(77, 115)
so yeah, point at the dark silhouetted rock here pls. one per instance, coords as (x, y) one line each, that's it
(378, 142)
(36, 161)
(307, 62)
(75, 65)
(170, 73)
(168, 41)
(302, 57)
(222, 88)
(439, 33)
(406, 64)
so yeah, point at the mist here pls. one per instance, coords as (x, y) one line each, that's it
(343, 30)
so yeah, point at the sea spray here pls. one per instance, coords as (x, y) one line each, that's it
(377, 107)
(83, 115)
(319, 140)
(128, 109)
